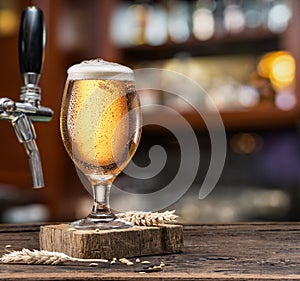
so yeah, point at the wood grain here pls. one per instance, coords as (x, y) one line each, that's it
(132, 242)
(256, 251)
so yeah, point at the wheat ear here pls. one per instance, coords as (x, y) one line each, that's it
(148, 218)
(42, 257)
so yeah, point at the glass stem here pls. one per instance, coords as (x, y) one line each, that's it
(101, 209)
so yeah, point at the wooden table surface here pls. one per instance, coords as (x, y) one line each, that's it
(252, 251)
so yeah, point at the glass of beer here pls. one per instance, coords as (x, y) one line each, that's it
(100, 124)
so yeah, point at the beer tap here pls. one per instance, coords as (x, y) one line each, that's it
(21, 114)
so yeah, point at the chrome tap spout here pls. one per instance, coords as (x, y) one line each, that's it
(25, 133)
(35, 164)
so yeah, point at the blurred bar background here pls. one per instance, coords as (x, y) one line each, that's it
(245, 54)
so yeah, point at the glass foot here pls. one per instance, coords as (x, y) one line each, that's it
(96, 223)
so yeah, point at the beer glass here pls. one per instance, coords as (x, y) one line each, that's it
(100, 124)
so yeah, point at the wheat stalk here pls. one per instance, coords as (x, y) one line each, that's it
(42, 257)
(148, 218)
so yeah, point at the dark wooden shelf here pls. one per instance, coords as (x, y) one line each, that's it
(264, 116)
(249, 41)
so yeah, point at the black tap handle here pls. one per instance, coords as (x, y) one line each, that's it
(32, 39)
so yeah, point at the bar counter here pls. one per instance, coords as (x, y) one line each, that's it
(242, 251)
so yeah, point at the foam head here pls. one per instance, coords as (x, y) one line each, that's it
(100, 69)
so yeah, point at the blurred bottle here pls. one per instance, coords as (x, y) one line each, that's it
(253, 11)
(234, 18)
(179, 20)
(203, 19)
(9, 17)
(156, 32)
(279, 16)
(128, 24)
(121, 25)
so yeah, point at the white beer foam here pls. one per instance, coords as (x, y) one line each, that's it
(100, 69)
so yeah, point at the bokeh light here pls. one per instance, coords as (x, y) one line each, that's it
(279, 67)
